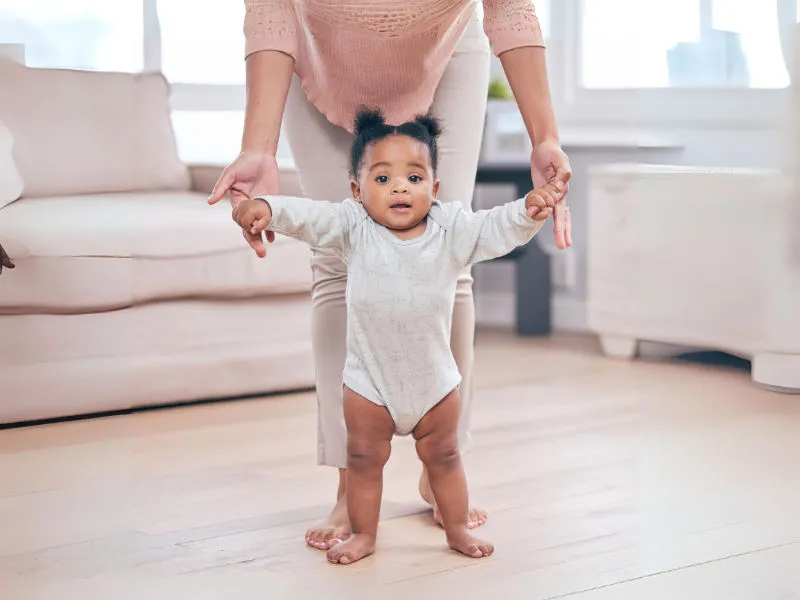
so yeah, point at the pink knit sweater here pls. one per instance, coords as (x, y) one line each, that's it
(380, 53)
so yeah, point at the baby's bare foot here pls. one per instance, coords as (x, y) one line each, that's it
(332, 530)
(476, 517)
(355, 548)
(462, 541)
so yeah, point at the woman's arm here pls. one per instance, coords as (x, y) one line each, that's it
(269, 73)
(517, 39)
(526, 70)
(270, 31)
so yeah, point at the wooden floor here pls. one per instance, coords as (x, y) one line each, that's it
(603, 479)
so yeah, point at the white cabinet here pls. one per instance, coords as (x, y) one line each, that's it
(696, 257)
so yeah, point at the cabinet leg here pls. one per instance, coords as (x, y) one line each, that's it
(777, 372)
(619, 346)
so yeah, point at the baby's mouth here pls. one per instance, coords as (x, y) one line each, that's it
(400, 206)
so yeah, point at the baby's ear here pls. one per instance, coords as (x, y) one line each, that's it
(355, 190)
(435, 189)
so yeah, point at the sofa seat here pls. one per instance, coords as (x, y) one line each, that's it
(88, 253)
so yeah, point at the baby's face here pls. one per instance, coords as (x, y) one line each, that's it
(395, 183)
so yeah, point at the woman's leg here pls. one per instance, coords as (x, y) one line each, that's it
(460, 102)
(321, 152)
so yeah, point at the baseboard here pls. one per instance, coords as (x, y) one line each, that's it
(498, 309)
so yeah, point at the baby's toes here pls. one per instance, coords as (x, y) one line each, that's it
(335, 555)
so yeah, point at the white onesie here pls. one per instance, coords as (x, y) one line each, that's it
(400, 293)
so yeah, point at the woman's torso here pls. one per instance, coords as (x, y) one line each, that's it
(380, 53)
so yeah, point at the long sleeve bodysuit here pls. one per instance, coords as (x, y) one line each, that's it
(400, 293)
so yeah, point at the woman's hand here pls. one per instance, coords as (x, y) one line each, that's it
(251, 174)
(549, 164)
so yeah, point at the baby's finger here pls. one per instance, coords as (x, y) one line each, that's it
(259, 225)
(535, 198)
(550, 195)
(539, 214)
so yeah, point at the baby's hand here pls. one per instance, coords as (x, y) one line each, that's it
(540, 202)
(252, 215)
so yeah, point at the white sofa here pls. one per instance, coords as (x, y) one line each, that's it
(706, 258)
(129, 290)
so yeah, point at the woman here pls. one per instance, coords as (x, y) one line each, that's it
(317, 61)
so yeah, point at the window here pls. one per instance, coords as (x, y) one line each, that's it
(543, 14)
(681, 43)
(202, 42)
(99, 35)
(214, 137)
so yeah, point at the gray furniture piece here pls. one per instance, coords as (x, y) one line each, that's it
(532, 263)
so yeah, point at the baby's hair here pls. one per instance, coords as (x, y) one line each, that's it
(371, 127)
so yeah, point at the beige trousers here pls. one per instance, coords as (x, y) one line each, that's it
(321, 152)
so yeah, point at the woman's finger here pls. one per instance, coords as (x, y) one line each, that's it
(561, 179)
(568, 228)
(563, 174)
(224, 183)
(256, 243)
(560, 225)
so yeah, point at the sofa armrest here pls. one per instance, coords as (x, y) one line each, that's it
(206, 175)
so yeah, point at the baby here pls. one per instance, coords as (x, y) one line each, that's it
(404, 250)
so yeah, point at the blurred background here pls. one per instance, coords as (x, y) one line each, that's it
(681, 82)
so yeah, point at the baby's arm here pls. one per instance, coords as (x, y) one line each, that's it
(318, 224)
(487, 234)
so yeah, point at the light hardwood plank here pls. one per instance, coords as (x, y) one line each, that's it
(603, 479)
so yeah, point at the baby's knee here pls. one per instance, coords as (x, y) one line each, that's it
(366, 455)
(439, 452)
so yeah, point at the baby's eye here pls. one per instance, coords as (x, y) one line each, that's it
(382, 179)
(415, 179)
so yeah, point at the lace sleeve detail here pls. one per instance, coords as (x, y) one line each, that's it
(270, 25)
(511, 24)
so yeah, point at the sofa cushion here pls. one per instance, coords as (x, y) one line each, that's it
(10, 181)
(81, 132)
(78, 254)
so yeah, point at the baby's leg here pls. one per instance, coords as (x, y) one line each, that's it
(437, 446)
(370, 429)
